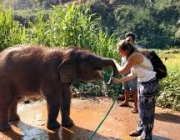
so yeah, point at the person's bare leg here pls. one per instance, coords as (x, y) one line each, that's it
(127, 96)
(135, 100)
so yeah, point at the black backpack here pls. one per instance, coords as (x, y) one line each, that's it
(159, 67)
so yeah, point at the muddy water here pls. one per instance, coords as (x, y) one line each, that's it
(87, 114)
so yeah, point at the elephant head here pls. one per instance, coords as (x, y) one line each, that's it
(82, 65)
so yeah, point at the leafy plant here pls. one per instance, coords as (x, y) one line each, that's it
(169, 95)
(10, 31)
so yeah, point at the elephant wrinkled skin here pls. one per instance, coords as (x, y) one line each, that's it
(28, 69)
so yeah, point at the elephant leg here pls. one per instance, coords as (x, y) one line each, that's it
(4, 125)
(13, 116)
(65, 106)
(53, 104)
(5, 102)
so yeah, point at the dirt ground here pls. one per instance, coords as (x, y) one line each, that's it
(87, 114)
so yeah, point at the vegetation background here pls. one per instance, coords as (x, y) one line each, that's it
(98, 25)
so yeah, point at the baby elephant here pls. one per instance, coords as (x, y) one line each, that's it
(26, 70)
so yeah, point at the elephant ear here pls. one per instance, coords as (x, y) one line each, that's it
(67, 69)
(67, 72)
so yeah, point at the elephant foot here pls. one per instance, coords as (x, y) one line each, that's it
(5, 127)
(67, 123)
(53, 125)
(14, 118)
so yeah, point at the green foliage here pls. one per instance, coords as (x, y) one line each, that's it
(29, 4)
(70, 25)
(65, 26)
(60, 26)
(154, 22)
(169, 94)
(152, 30)
(104, 11)
(161, 4)
(99, 88)
(170, 90)
(10, 31)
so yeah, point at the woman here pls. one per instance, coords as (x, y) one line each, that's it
(141, 67)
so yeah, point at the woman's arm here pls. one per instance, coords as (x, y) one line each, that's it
(134, 59)
(124, 79)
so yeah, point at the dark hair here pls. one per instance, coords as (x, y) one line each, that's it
(125, 45)
(130, 34)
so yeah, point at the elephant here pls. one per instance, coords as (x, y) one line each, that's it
(27, 70)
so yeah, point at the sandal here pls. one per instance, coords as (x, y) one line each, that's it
(135, 133)
(134, 110)
(123, 104)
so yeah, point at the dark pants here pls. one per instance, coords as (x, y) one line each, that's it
(146, 103)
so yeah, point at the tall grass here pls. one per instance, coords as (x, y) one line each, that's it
(10, 31)
(72, 25)
(61, 26)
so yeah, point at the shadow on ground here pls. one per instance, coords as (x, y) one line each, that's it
(168, 117)
(22, 131)
(160, 138)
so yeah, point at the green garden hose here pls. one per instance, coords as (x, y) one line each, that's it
(115, 98)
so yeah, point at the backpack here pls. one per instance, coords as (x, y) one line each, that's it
(159, 67)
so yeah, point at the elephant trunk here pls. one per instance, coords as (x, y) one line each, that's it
(107, 63)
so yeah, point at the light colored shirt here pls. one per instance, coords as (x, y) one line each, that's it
(144, 71)
(123, 61)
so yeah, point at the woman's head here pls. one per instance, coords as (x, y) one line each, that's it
(126, 48)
